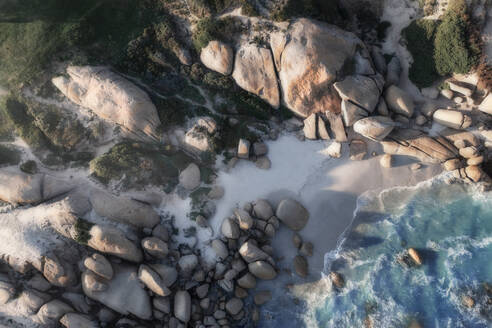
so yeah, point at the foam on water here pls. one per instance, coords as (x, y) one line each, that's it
(450, 226)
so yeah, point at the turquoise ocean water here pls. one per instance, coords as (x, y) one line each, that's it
(450, 226)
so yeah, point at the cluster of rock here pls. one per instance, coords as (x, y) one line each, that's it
(255, 152)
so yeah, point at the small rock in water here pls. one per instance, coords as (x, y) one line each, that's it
(243, 149)
(306, 249)
(334, 149)
(337, 279)
(263, 163)
(297, 240)
(358, 150)
(468, 301)
(301, 266)
(415, 256)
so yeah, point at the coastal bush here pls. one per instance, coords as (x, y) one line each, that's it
(324, 10)
(209, 29)
(454, 52)
(137, 164)
(82, 231)
(420, 36)
(248, 9)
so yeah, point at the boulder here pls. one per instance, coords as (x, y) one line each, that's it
(244, 219)
(310, 127)
(220, 249)
(262, 209)
(360, 90)
(306, 249)
(124, 210)
(301, 266)
(292, 214)
(415, 256)
(262, 270)
(465, 90)
(217, 192)
(234, 306)
(452, 164)
(198, 140)
(58, 272)
(260, 148)
(182, 306)
(189, 178)
(469, 152)
(155, 247)
(188, 263)
(375, 127)
(162, 304)
(428, 108)
(124, 294)
(160, 231)
(111, 97)
(75, 320)
(453, 136)
(110, 240)
(452, 118)
(17, 187)
(334, 149)
(306, 70)
(254, 71)
(448, 94)
(399, 101)
(243, 149)
(358, 149)
(93, 283)
(168, 274)
(230, 229)
(322, 131)
(337, 279)
(475, 173)
(336, 126)
(202, 290)
(351, 113)
(51, 312)
(382, 108)
(430, 92)
(30, 301)
(486, 105)
(247, 281)
(417, 144)
(218, 57)
(251, 253)
(263, 163)
(153, 281)
(98, 264)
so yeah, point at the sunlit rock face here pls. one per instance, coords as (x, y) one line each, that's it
(111, 97)
(309, 58)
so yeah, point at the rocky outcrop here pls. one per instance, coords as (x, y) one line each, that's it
(218, 57)
(417, 144)
(124, 293)
(360, 90)
(486, 105)
(375, 127)
(189, 178)
(307, 70)
(123, 209)
(111, 97)
(254, 71)
(112, 241)
(198, 138)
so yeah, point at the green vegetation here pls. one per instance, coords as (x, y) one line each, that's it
(6, 128)
(441, 48)
(324, 10)
(82, 231)
(9, 155)
(137, 164)
(208, 29)
(248, 9)
(29, 167)
(420, 35)
(453, 50)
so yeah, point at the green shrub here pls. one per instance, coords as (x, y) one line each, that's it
(248, 9)
(209, 29)
(324, 10)
(420, 35)
(82, 231)
(453, 51)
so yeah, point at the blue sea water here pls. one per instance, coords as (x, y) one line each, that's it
(449, 225)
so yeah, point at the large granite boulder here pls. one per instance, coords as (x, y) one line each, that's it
(111, 240)
(254, 71)
(452, 118)
(399, 101)
(360, 90)
(417, 144)
(375, 127)
(218, 57)
(124, 210)
(310, 56)
(124, 293)
(111, 97)
(291, 213)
